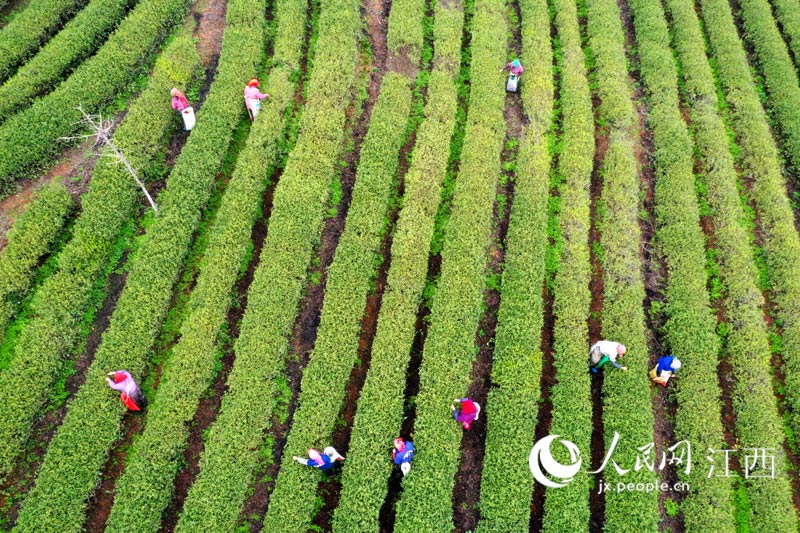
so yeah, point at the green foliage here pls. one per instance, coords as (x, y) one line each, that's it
(747, 342)
(348, 281)
(30, 28)
(59, 304)
(426, 502)
(30, 238)
(153, 465)
(78, 451)
(230, 457)
(626, 396)
(380, 411)
(79, 38)
(760, 159)
(671, 508)
(567, 509)
(28, 140)
(780, 76)
(512, 404)
(404, 35)
(787, 14)
(690, 326)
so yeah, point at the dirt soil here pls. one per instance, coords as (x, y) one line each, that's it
(45, 427)
(9, 8)
(387, 514)
(74, 170)
(267, 471)
(544, 417)
(305, 328)
(597, 501)
(331, 488)
(209, 19)
(76, 165)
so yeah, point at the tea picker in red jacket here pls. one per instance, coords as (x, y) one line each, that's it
(402, 454)
(515, 71)
(131, 396)
(466, 412)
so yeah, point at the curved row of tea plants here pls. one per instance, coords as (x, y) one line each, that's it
(78, 451)
(79, 38)
(226, 467)
(567, 508)
(690, 326)
(761, 165)
(380, 407)
(747, 346)
(28, 140)
(348, 282)
(512, 405)
(426, 502)
(30, 28)
(59, 304)
(155, 458)
(31, 237)
(780, 75)
(626, 395)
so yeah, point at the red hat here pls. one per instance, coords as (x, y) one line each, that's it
(253, 82)
(119, 377)
(468, 407)
(399, 444)
(465, 424)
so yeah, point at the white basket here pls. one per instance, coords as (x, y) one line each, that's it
(188, 118)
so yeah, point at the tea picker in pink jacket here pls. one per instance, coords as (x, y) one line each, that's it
(325, 461)
(131, 396)
(179, 101)
(181, 105)
(253, 97)
(514, 67)
(402, 454)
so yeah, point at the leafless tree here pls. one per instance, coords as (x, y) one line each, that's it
(101, 132)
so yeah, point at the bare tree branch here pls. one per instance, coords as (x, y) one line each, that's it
(101, 132)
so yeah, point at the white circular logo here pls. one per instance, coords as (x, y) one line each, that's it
(542, 457)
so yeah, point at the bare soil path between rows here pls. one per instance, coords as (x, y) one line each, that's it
(466, 489)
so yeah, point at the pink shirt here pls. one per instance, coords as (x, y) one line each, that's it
(179, 103)
(515, 70)
(250, 94)
(128, 385)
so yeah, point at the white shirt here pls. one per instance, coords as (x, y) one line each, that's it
(609, 349)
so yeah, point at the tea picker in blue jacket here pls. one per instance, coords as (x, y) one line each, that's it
(402, 454)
